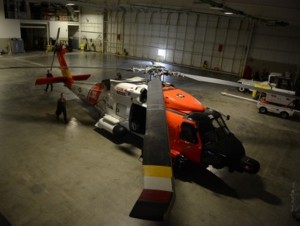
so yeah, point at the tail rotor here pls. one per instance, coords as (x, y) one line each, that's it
(54, 50)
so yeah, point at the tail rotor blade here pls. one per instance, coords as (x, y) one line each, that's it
(54, 51)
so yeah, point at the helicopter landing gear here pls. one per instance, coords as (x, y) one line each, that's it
(180, 162)
(250, 165)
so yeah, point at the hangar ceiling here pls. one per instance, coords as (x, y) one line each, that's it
(270, 12)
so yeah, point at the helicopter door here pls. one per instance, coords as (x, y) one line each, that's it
(137, 119)
(189, 143)
(188, 133)
(121, 110)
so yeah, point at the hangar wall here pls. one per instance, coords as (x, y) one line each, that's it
(91, 22)
(91, 28)
(9, 29)
(225, 43)
(188, 39)
(275, 49)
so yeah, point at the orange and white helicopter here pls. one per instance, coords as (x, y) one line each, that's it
(193, 132)
(177, 129)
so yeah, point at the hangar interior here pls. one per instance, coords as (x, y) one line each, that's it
(71, 174)
(262, 35)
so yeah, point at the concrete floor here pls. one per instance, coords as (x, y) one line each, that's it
(56, 174)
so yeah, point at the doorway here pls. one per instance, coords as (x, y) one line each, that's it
(73, 37)
(34, 37)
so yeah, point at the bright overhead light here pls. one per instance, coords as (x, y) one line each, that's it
(228, 13)
(70, 4)
(161, 52)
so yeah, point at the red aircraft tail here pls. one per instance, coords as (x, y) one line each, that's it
(67, 78)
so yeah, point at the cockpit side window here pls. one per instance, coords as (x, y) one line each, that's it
(188, 133)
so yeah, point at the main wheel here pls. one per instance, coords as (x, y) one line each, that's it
(262, 110)
(284, 114)
(241, 89)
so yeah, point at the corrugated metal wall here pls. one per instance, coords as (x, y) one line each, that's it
(275, 49)
(190, 39)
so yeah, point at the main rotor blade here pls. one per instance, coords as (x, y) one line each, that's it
(235, 84)
(158, 194)
(54, 51)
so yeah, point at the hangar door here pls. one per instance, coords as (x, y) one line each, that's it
(73, 36)
(34, 36)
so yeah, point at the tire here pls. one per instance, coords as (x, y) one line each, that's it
(284, 115)
(241, 89)
(262, 110)
(250, 165)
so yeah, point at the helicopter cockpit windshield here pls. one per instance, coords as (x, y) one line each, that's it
(220, 126)
(220, 147)
(211, 126)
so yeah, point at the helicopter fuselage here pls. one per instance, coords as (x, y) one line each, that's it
(196, 133)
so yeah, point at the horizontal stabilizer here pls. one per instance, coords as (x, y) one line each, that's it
(152, 205)
(57, 79)
(42, 81)
(81, 77)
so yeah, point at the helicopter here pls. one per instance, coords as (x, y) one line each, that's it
(177, 129)
(196, 133)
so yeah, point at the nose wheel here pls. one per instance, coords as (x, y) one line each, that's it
(250, 165)
(180, 162)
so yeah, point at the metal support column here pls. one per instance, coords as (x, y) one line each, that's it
(251, 29)
(176, 36)
(105, 29)
(194, 39)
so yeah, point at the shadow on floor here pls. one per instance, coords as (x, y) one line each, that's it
(4, 221)
(246, 186)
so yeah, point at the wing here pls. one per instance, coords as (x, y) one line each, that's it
(158, 194)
